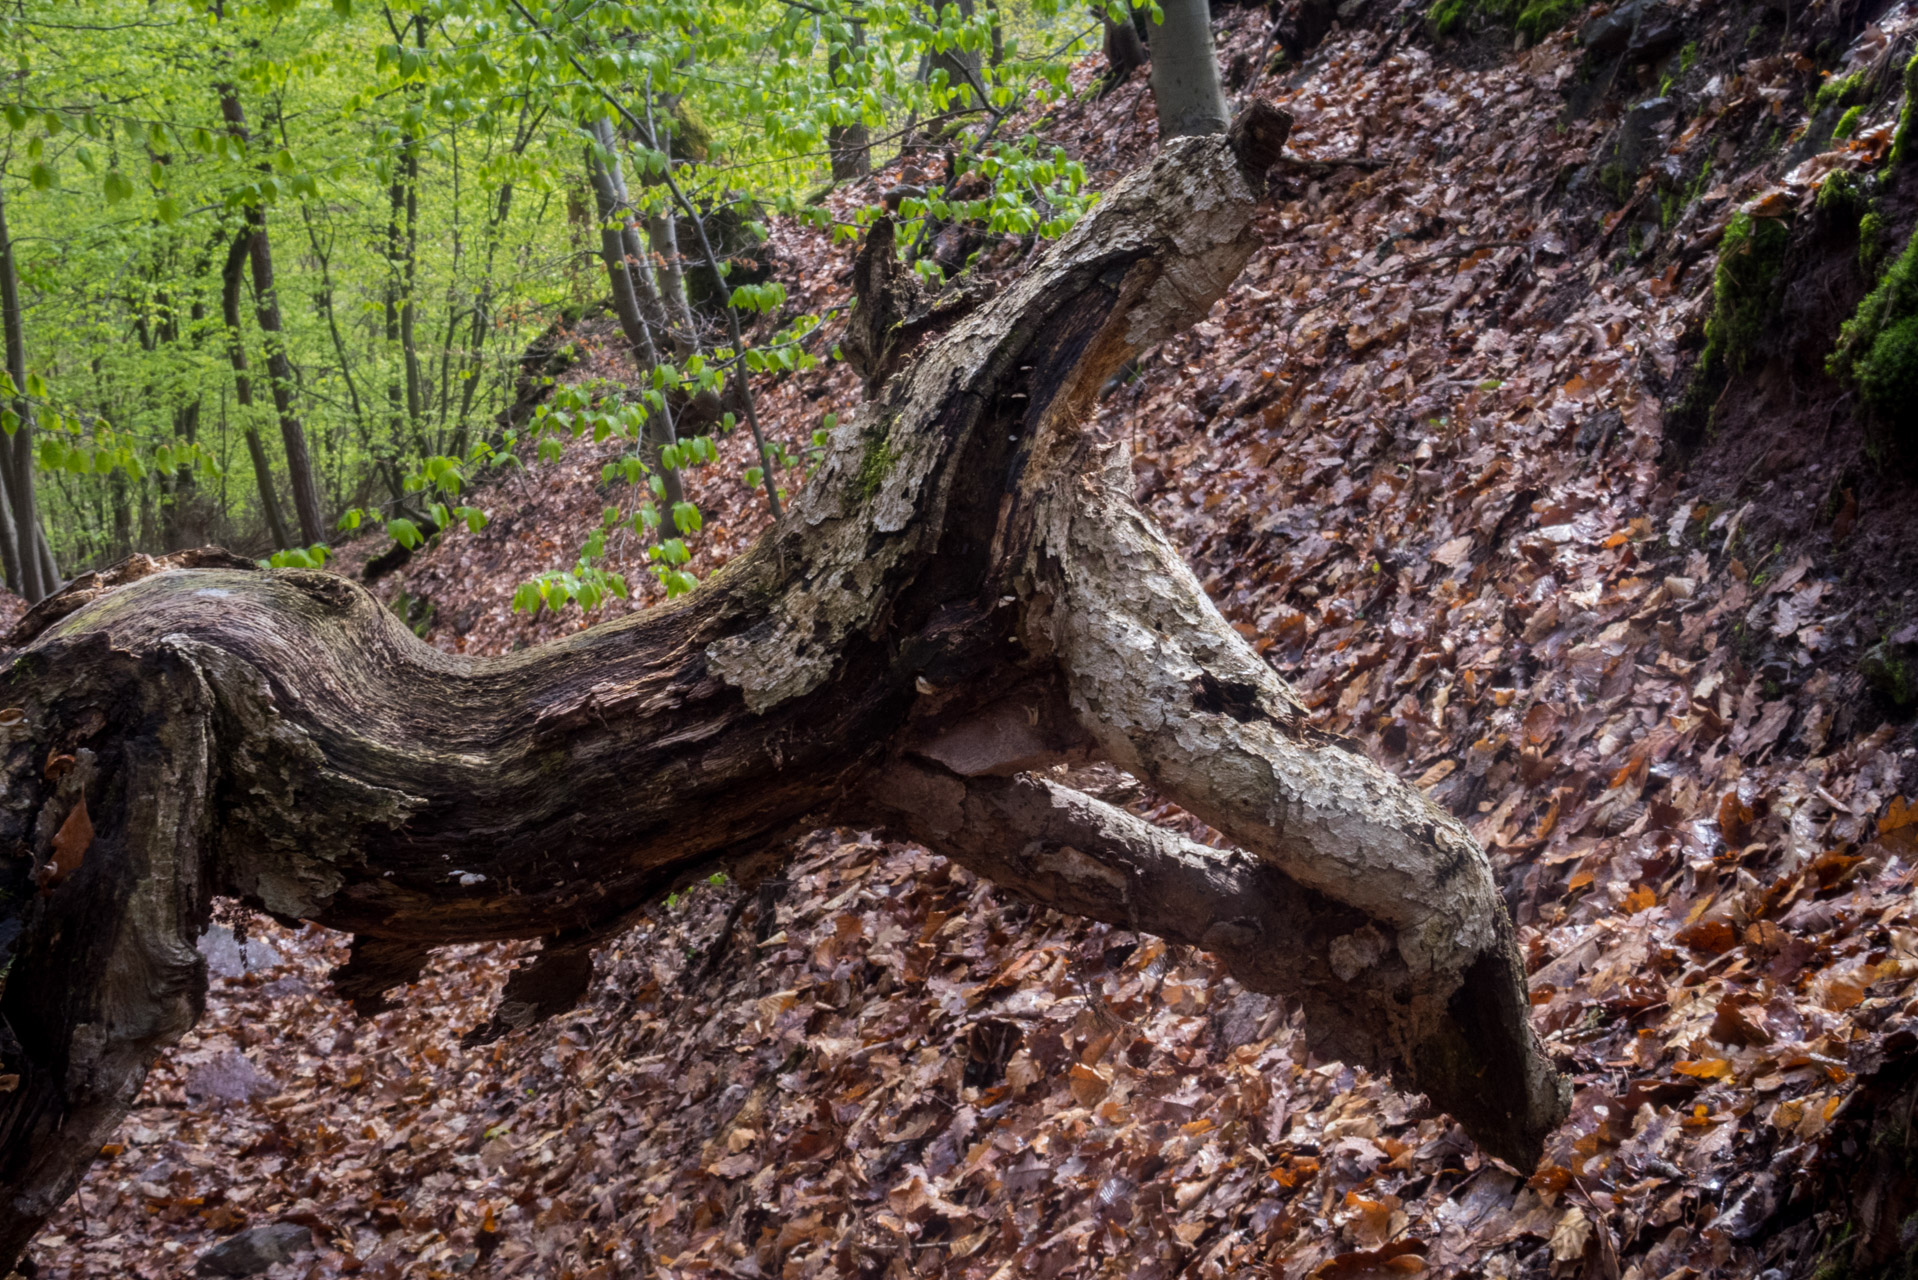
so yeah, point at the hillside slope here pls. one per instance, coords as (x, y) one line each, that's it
(1424, 454)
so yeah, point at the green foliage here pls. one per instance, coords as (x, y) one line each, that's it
(1847, 123)
(418, 165)
(313, 557)
(1749, 258)
(1877, 352)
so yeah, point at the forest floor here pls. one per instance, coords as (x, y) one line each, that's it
(1417, 457)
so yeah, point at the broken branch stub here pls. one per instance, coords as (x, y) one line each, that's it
(962, 593)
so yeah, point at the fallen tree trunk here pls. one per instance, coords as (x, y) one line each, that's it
(962, 594)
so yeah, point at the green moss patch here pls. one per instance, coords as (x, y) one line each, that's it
(1902, 141)
(1877, 350)
(1534, 19)
(1839, 92)
(1871, 243)
(1749, 259)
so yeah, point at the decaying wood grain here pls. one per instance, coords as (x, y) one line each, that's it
(963, 593)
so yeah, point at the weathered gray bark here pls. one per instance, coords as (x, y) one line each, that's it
(964, 592)
(1185, 72)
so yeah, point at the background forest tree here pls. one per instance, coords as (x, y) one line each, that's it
(277, 262)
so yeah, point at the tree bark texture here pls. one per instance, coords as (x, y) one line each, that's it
(638, 308)
(1124, 51)
(279, 366)
(962, 595)
(1185, 72)
(28, 570)
(849, 145)
(230, 279)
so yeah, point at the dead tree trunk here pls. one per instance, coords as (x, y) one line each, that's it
(963, 592)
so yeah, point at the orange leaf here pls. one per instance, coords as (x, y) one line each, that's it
(1846, 991)
(1714, 937)
(1551, 1180)
(1089, 1084)
(1298, 1169)
(1898, 815)
(1705, 1069)
(70, 844)
(1581, 880)
(1639, 899)
(1735, 819)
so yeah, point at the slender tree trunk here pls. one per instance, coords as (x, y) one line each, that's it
(230, 282)
(402, 436)
(609, 184)
(32, 574)
(281, 377)
(331, 316)
(279, 367)
(49, 571)
(960, 65)
(662, 233)
(1124, 51)
(482, 319)
(628, 304)
(849, 145)
(964, 592)
(9, 537)
(1185, 72)
(409, 306)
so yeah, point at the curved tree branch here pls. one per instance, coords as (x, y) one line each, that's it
(963, 591)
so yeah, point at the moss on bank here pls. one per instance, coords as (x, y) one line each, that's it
(1877, 352)
(1749, 259)
(1902, 141)
(1534, 19)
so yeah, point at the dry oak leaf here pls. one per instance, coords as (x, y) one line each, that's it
(1570, 1236)
(70, 843)
(1400, 1258)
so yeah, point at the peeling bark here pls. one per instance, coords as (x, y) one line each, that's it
(963, 593)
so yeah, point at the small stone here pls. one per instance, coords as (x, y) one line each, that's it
(230, 1077)
(226, 958)
(254, 1250)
